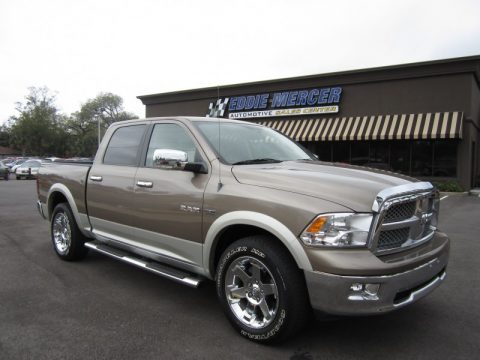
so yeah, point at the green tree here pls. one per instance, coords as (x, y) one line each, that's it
(107, 106)
(38, 129)
(82, 125)
(4, 135)
(82, 134)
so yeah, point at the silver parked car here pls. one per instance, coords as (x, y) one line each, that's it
(15, 164)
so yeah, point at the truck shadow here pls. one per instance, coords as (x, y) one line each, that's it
(350, 337)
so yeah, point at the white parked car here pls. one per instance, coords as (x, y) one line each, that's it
(28, 170)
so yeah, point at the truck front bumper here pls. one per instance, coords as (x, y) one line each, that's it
(367, 295)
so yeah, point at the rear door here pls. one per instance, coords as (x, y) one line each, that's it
(111, 183)
(169, 203)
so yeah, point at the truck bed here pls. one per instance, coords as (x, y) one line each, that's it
(72, 175)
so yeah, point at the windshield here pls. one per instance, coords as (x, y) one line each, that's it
(248, 144)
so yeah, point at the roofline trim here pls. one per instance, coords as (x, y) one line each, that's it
(471, 64)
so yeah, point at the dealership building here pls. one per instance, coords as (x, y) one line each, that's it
(420, 119)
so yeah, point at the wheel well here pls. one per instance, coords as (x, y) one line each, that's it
(234, 232)
(55, 199)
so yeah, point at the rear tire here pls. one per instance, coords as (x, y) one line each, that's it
(261, 289)
(68, 241)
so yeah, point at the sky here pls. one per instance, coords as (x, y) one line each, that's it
(79, 49)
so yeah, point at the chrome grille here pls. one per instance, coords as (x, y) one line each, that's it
(391, 239)
(404, 220)
(399, 212)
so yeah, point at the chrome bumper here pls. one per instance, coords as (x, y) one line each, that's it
(346, 295)
(41, 209)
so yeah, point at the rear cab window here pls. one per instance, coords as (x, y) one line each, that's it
(123, 146)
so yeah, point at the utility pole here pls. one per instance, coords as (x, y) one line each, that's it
(99, 117)
(98, 120)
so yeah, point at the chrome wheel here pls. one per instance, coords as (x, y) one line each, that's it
(251, 292)
(62, 233)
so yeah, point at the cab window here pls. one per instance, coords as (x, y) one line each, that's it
(123, 146)
(171, 137)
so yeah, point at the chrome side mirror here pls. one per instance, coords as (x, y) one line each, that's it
(169, 159)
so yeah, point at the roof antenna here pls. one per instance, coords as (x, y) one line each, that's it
(219, 142)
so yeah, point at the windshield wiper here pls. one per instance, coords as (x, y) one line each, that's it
(257, 161)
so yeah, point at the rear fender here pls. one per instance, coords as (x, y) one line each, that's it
(81, 219)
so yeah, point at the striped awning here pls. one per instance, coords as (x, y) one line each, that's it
(440, 125)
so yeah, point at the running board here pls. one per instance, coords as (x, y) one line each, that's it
(152, 266)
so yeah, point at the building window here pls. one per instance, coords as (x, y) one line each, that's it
(400, 157)
(419, 158)
(445, 158)
(379, 156)
(360, 151)
(324, 151)
(341, 152)
(422, 158)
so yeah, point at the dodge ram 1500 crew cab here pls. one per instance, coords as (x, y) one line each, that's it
(279, 232)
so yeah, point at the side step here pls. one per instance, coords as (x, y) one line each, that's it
(152, 266)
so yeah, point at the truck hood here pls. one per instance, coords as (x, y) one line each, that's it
(351, 186)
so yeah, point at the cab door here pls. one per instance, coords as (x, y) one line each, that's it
(110, 184)
(168, 202)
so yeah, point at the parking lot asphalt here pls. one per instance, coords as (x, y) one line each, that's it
(103, 309)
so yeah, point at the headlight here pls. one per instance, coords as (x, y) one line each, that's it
(338, 230)
(435, 210)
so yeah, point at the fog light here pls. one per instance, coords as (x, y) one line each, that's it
(362, 292)
(372, 289)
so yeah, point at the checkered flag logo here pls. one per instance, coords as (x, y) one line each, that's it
(217, 109)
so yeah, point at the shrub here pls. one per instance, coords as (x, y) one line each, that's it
(448, 186)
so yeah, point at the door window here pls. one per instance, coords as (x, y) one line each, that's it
(123, 146)
(171, 137)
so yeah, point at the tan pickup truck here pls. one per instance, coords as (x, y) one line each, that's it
(280, 232)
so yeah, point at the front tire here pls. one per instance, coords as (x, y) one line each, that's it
(68, 241)
(261, 290)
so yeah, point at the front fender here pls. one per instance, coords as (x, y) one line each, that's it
(259, 220)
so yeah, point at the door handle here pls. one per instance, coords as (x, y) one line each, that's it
(145, 184)
(95, 178)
